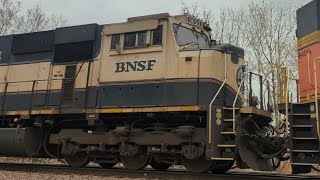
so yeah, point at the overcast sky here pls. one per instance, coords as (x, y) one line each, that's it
(110, 11)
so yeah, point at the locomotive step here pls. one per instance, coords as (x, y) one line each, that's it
(228, 133)
(304, 138)
(300, 114)
(222, 159)
(229, 120)
(304, 164)
(305, 150)
(302, 126)
(306, 121)
(226, 145)
(230, 108)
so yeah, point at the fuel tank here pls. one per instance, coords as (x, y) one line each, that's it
(23, 142)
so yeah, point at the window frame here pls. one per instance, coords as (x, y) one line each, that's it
(175, 35)
(118, 44)
(149, 41)
(136, 39)
(152, 38)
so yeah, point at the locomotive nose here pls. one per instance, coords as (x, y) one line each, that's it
(260, 152)
(249, 155)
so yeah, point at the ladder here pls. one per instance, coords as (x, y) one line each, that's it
(303, 135)
(224, 144)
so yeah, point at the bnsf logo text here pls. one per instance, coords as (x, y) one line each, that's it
(135, 66)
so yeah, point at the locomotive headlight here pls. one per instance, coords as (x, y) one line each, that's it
(241, 76)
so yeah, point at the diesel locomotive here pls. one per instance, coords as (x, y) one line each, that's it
(303, 115)
(155, 90)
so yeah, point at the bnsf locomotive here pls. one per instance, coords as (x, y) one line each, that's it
(155, 90)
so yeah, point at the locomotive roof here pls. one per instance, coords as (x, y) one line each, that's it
(84, 28)
(43, 45)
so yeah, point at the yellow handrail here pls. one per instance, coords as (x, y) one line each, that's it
(287, 103)
(316, 93)
(214, 98)
(234, 104)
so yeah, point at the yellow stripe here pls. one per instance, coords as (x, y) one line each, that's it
(112, 110)
(148, 109)
(308, 99)
(16, 113)
(51, 111)
(309, 39)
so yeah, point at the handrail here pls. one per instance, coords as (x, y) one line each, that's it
(45, 80)
(316, 93)
(287, 104)
(234, 103)
(41, 80)
(214, 98)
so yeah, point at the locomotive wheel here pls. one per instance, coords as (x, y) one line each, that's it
(107, 165)
(159, 166)
(77, 160)
(138, 161)
(222, 166)
(198, 165)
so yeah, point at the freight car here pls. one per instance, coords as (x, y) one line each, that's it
(304, 115)
(155, 90)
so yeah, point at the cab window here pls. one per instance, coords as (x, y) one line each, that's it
(115, 41)
(157, 36)
(142, 38)
(135, 39)
(185, 36)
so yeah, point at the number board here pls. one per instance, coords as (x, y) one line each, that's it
(194, 22)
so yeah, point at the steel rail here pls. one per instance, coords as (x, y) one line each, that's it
(177, 174)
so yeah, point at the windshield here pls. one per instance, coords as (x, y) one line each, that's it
(185, 36)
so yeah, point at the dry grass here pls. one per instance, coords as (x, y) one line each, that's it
(12, 175)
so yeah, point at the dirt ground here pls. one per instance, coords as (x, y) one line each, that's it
(14, 175)
(10, 175)
(284, 168)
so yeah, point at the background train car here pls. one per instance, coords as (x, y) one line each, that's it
(304, 116)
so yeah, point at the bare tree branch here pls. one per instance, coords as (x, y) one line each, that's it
(13, 20)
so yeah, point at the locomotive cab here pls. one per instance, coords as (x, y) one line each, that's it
(162, 53)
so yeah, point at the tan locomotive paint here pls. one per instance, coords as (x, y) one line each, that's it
(81, 73)
(111, 57)
(3, 72)
(162, 62)
(119, 28)
(170, 63)
(58, 72)
(21, 76)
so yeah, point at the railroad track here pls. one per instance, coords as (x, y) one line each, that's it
(147, 174)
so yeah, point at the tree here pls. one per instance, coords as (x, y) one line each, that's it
(14, 20)
(8, 15)
(197, 10)
(271, 38)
